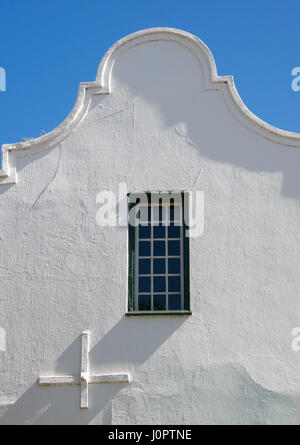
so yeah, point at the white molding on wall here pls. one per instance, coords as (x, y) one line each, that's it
(101, 85)
(85, 378)
(5, 404)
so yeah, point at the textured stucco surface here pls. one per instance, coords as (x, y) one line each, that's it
(61, 274)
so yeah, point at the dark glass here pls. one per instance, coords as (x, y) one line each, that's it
(144, 302)
(174, 266)
(159, 248)
(174, 302)
(159, 302)
(174, 248)
(174, 284)
(159, 284)
(159, 232)
(172, 213)
(144, 284)
(144, 232)
(159, 266)
(144, 267)
(174, 231)
(145, 248)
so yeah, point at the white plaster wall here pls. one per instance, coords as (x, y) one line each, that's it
(60, 273)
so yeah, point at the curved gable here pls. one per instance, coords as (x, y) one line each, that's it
(103, 85)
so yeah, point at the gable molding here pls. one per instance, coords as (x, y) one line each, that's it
(212, 82)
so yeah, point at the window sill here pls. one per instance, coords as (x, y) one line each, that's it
(150, 313)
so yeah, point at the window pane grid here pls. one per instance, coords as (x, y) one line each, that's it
(152, 278)
(160, 275)
(162, 287)
(147, 293)
(159, 257)
(159, 239)
(181, 266)
(167, 270)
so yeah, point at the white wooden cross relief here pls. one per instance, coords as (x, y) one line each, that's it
(85, 377)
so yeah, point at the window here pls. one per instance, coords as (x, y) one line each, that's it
(158, 254)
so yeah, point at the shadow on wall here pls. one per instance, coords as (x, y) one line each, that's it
(227, 393)
(60, 405)
(216, 395)
(173, 82)
(130, 342)
(133, 340)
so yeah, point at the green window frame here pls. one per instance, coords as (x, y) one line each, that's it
(135, 258)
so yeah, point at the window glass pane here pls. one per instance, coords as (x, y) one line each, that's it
(174, 231)
(174, 284)
(174, 248)
(145, 232)
(159, 266)
(145, 248)
(174, 302)
(144, 302)
(158, 241)
(144, 284)
(159, 284)
(174, 265)
(171, 213)
(159, 232)
(159, 248)
(144, 267)
(159, 302)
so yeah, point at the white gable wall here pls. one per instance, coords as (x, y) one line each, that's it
(164, 126)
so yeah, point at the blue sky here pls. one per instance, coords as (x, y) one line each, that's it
(48, 46)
